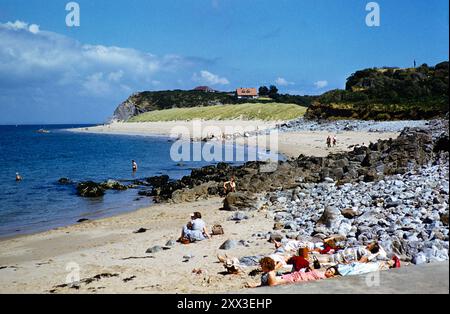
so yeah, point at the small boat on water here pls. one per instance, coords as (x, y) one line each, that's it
(44, 131)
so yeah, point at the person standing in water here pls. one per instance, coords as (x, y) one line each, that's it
(18, 177)
(134, 165)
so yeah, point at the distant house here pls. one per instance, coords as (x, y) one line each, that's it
(247, 93)
(205, 89)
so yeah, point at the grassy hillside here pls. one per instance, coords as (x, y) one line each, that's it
(248, 111)
(388, 93)
(143, 102)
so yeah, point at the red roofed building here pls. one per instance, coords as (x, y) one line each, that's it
(247, 93)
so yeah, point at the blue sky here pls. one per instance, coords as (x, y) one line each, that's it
(50, 73)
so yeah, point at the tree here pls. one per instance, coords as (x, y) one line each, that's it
(273, 91)
(263, 91)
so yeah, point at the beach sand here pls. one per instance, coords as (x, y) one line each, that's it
(313, 143)
(38, 263)
(109, 250)
(187, 129)
(291, 144)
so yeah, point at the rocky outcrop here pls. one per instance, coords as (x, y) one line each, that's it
(90, 189)
(407, 213)
(239, 201)
(113, 185)
(413, 148)
(127, 109)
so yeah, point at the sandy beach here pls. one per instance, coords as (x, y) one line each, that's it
(40, 262)
(187, 129)
(111, 258)
(290, 144)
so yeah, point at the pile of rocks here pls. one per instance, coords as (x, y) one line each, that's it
(413, 148)
(407, 213)
(302, 124)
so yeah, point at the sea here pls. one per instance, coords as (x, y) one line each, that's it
(39, 203)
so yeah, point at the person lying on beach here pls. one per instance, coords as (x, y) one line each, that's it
(362, 254)
(300, 262)
(270, 278)
(329, 245)
(358, 268)
(232, 264)
(195, 230)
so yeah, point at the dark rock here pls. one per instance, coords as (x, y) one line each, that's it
(330, 217)
(228, 245)
(171, 243)
(444, 218)
(154, 249)
(239, 201)
(349, 213)
(141, 230)
(113, 185)
(82, 220)
(391, 204)
(64, 181)
(276, 237)
(90, 189)
(158, 181)
(442, 144)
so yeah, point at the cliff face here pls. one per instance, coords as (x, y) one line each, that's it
(126, 110)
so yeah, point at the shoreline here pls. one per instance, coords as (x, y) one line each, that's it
(290, 144)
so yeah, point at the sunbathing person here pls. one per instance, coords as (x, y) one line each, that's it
(270, 278)
(301, 261)
(358, 268)
(234, 265)
(362, 254)
(328, 245)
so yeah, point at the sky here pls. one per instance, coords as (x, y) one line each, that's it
(53, 73)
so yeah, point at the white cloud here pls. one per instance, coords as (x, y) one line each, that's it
(34, 28)
(63, 69)
(29, 54)
(321, 84)
(283, 82)
(210, 78)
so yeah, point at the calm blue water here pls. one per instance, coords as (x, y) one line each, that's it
(39, 203)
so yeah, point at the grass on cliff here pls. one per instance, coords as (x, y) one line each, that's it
(266, 111)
